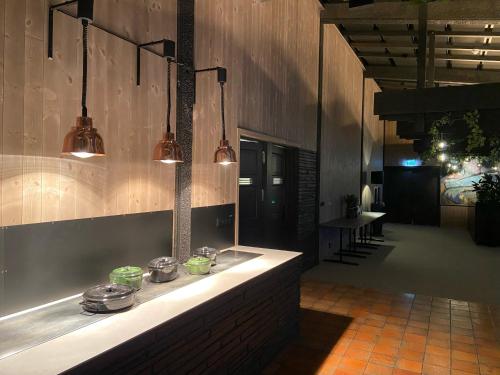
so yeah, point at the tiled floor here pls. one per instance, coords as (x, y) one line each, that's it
(352, 331)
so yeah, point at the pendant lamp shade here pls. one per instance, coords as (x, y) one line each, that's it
(83, 140)
(168, 150)
(225, 154)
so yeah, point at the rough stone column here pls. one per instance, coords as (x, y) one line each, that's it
(184, 128)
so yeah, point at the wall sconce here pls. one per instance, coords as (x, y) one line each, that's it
(83, 140)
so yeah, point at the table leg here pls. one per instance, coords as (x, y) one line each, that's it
(341, 252)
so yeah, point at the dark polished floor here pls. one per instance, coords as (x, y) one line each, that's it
(348, 330)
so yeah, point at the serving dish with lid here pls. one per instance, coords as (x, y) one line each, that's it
(162, 269)
(107, 298)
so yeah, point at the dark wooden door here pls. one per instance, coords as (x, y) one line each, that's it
(411, 195)
(266, 196)
(252, 181)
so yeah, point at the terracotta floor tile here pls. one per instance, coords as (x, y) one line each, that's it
(370, 337)
(399, 371)
(409, 365)
(361, 345)
(437, 342)
(488, 370)
(357, 354)
(415, 346)
(434, 370)
(437, 350)
(391, 341)
(383, 359)
(464, 356)
(416, 331)
(469, 367)
(385, 349)
(374, 369)
(352, 366)
(469, 348)
(411, 354)
(418, 324)
(418, 339)
(329, 364)
(437, 360)
(462, 338)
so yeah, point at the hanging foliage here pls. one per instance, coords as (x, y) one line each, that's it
(472, 145)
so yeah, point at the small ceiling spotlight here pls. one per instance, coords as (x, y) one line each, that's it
(454, 167)
(442, 157)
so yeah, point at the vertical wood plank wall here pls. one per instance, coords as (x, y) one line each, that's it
(40, 100)
(271, 50)
(373, 144)
(397, 149)
(341, 123)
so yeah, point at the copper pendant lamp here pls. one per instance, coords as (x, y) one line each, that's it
(83, 140)
(225, 154)
(168, 151)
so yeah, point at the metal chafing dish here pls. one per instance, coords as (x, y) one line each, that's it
(162, 269)
(207, 252)
(108, 298)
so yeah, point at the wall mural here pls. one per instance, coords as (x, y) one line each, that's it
(456, 187)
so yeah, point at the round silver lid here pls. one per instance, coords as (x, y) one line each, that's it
(106, 292)
(162, 262)
(205, 250)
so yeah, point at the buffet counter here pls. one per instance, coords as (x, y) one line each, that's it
(237, 317)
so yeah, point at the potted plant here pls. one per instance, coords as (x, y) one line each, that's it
(487, 212)
(352, 206)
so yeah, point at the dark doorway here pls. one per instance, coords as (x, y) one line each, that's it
(411, 195)
(267, 215)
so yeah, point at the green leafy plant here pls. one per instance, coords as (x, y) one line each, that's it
(488, 189)
(475, 138)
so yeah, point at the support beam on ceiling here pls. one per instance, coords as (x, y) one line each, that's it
(442, 75)
(461, 12)
(422, 45)
(476, 58)
(409, 44)
(409, 33)
(437, 100)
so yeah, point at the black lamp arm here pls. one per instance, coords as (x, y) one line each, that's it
(85, 24)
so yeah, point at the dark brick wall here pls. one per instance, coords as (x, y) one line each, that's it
(238, 332)
(307, 237)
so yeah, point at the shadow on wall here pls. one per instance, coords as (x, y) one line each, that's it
(272, 83)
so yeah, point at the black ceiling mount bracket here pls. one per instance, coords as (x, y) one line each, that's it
(50, 44)
(168, 53)
(221, 75)
(85, 12)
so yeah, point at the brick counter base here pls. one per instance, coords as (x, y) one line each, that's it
(237, 332)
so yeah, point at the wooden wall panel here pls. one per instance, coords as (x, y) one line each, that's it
(341, 124)
(40, 100)
(397, 149)
(271, 50)
(373, 142)
(454, 216)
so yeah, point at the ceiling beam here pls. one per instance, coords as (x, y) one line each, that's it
(473, 58)
(461, 12)
(443, 75)
(409, 44)
(437, 100)
(409, 33)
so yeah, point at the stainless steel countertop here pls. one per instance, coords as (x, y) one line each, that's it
(24, 331)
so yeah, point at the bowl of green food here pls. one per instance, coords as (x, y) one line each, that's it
(129, 275)
(198, 265)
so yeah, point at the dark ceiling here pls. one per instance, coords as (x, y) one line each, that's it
(384, 35)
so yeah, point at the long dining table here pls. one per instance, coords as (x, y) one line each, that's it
(361, 223)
